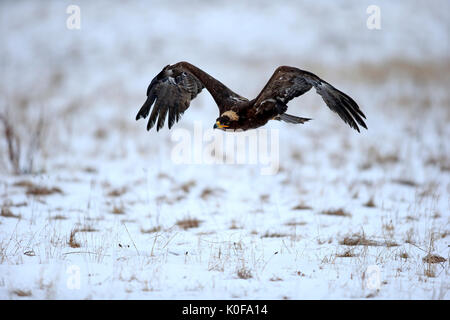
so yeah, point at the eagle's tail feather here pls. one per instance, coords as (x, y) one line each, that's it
(291, 119)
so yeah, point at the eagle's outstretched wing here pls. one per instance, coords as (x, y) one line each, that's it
(172, 91)
(288, 82)
(175, 87)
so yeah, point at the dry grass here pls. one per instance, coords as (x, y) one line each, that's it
(37, 190)
(429, 190)
(87, 229)
(18, 204)
(370, 203)
(436, 215)
(188, 223)
(13, 143)
(165, 199)
(297, 155)
(273, 235)
(117, 192)
(90, 170)
(374, 157)
(444, 234)
(208, 193)
(58, 217)
(186, 187)
(43, 191)
(22, 293)
(433, 258)
(430, 273)
(295, 223)
(118, 209)
(101, 133)
(234, 225)
(163, 176)
(301, 206)
(72, 241)
(7, 213)
(389, 227)
(404, 255)
(24, 184)
(347, 254)
(244, 273)
(274, 279)
(337, 212)
(405, 182)
(21, 160)
(442, 162)
(358, 240)
(410, 234)
(423, 72)
(151, 230)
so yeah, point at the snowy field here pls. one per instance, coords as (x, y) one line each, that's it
(94, 207)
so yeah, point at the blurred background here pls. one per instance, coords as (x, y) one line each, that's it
(87, 84)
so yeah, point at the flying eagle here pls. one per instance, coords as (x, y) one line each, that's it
(172, 90)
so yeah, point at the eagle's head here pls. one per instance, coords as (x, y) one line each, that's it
(226, 120)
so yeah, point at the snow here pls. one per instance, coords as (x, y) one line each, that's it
(127, 201)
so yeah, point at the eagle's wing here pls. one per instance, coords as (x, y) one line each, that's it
(288, 82)
(171, 91)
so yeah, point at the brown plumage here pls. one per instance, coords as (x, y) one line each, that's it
(172, 90)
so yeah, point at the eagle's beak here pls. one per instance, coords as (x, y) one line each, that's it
(220, 126)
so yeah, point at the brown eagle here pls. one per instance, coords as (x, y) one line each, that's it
(172, 90)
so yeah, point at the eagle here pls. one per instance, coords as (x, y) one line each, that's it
(173, 89)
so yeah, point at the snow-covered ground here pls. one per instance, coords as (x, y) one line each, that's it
(107, 214)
